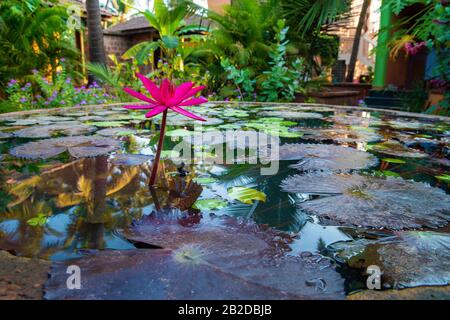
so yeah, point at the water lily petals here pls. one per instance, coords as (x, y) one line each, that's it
(145, 106)
(193, 92)
(193, 102)
(164, 90)
(151, 87)
(138, 95)
(180, 93)
(187, 113)
(155, 111)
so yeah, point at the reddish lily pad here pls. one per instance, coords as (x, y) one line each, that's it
(72, 129)
(354, 199)
(77, 146)
(325, 157)
(219, 259)
(395, 148)
(341, 135)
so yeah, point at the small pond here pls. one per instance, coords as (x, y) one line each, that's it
(352, 188)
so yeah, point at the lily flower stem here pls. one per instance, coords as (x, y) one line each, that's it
(158, 151)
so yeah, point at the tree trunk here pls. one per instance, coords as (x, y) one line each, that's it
(355, 47)
(95, 32)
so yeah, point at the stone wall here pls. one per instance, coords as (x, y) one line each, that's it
(116, 44)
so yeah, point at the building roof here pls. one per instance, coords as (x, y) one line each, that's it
(82, 3)
(140, 24)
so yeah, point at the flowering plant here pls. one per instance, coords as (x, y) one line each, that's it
(163, 98)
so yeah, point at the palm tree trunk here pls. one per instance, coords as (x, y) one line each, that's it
(355, 48)
(95, 32)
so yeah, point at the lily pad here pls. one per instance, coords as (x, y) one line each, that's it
(108, 124)
(5, 135)
(240, 139)
(293, 114)
(341, 135)
(130, 159)
(325, 157)
(368, 201)
(394, 160)
(218, 259)
(395, 148)
(205, 180)
(53, 129)
(118, 131)
(77, 146)
(209, 204)
(246, 195)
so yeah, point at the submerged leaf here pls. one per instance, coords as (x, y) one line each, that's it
(354, 199)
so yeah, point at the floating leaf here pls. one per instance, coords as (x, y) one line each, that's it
(205, 205)
(367, 201)
(179, 133)
(246, 195)
(221, 258)
(293, 114)
(78, 147)
(205, 180)
(393, 160)
(324, 157)
(395, 148)
(341, 135)
(71, 129)
(118, 131)
(109, 124)
(130, 159)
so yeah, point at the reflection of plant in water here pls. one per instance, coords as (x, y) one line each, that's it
(28, 236)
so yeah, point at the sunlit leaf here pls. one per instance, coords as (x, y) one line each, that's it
(246, 195)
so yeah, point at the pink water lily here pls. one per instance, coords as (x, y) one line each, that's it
(167, 96)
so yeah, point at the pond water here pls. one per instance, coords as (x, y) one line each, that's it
(77, 179)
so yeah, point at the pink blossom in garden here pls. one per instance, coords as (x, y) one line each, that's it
(413, 49)
(167, 96)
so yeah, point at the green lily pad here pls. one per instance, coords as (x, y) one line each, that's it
(394, 160)
(109, 124)
(246, 195)
(205, 180)
(210, 204)
(179, 133)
